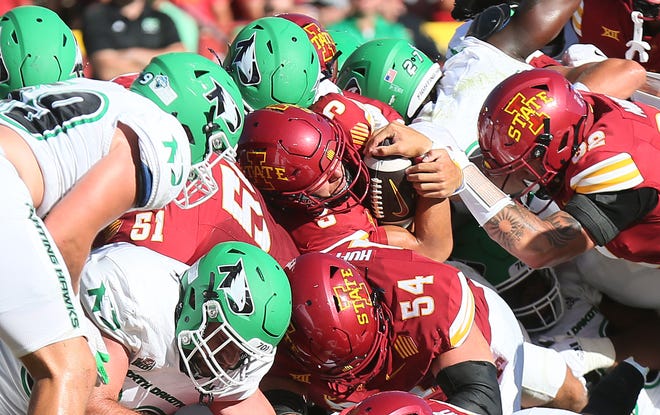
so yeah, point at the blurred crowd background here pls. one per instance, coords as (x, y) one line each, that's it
(209, 26)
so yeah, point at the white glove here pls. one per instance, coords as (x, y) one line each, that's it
(579, 54)
(583, 354)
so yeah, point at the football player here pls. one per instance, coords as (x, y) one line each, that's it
(593, 325)
(179, 335)
(219, 203)
(484, 57)
(370, 317)
(75, 156)
(308, 169)
(402, 403)
(582, 156)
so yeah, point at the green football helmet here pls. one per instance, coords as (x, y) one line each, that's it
(235, 308)
(346, 43)
(207, 102)
(392, 71)
(273, 62)
(532, 294)
(36, 47)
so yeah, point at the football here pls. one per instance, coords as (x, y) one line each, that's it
(391, 196)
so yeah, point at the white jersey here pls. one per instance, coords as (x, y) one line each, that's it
(468, 77)
(69, 126)
(131, 294)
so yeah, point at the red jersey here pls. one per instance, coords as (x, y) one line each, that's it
(358, 116)
(608, 25)
(355, 114)
(236, 212)
(321, 232)
(432, 307)
(620, 151)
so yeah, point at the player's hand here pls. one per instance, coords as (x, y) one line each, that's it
(436, 175)
(405, 141)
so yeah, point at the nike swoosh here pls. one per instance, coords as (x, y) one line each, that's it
(390, 376)
(403, 207)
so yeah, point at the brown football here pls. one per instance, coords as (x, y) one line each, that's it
(391, 196)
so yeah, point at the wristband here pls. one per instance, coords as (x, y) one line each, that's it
(481, 197)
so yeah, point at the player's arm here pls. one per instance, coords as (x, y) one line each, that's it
(253, 404)
(105, 192)
(534, 24)
(432, 223)
(432, 235)
(405, 140)
(468, 376)
(104, 398)
(108, 63)
(537, 242)
(615, 77)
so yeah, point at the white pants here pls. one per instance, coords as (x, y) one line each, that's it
(627, 282)
(507, 346)
(37, 303)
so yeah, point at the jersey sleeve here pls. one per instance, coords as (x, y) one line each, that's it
(607, 174)
(164, 155)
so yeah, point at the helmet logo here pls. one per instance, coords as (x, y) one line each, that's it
(225, 106)
(322, 41)
(353, 295)
(245, 61)
(236, 289)
(525, 115)
(159, 85)
(390, 75)
(258, 172)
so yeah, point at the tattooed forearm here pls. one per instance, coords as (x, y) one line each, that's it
(508, 226)
(515, 228)
(563, 229)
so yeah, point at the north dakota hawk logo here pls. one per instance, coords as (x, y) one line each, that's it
(225, 107)
(245, 61)
(236, 289)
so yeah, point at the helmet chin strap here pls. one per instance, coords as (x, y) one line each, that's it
(543, 140)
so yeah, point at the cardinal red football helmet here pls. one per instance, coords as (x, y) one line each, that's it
(320, 39)
(290, 152)
(531, 121)
(338, 330)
